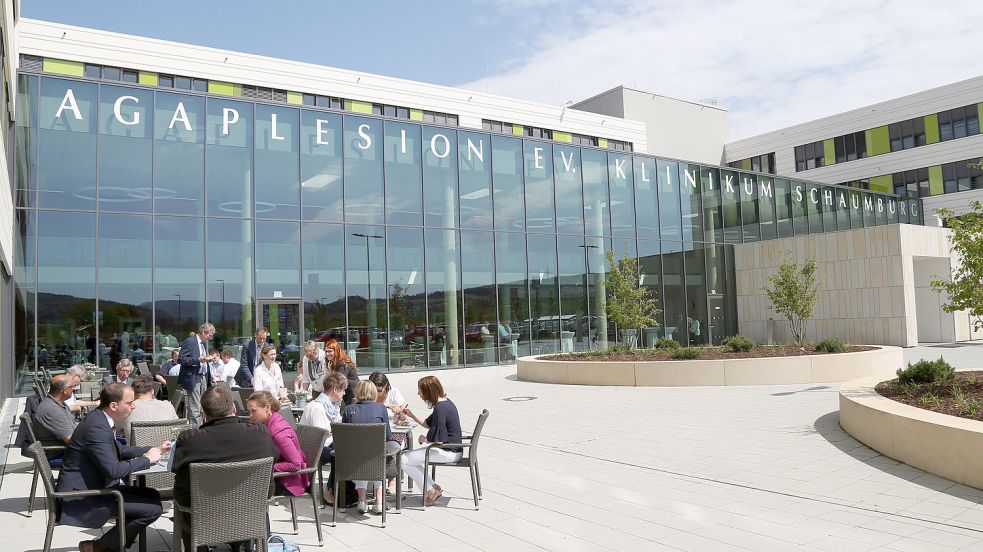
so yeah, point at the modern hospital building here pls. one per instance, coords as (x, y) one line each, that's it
(152, 185)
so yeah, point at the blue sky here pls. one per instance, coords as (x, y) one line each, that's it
(770, 63)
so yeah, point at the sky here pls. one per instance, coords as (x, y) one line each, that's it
(770, 63)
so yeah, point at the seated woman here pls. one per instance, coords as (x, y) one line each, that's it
(443, 426)
(267, 375)
(367, 411)
(265, 409)
(322, 412)
(392, 399)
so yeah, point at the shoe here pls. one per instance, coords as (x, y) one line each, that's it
(377, 509)
(363, 508)
(92, 546)
(434, 495)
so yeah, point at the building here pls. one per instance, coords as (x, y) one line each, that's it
(157, 185)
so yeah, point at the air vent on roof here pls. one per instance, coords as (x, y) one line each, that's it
(31, 63)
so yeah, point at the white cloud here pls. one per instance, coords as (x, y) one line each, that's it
(772, 64)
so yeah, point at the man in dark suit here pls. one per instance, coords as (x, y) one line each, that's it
(96, 460)
(123, 371)
(250, 358)
(222, 438)
(194, 376)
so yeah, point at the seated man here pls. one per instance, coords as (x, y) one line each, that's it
(96, 460)
(222, 438)
(230, 367)
(54, 423)
(146, 408)
(75, 404)
(171, 367)
(123, 371)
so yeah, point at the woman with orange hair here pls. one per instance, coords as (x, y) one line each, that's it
(338, 361)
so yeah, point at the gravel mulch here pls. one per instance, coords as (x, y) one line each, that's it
(708, 353)
(960, 396)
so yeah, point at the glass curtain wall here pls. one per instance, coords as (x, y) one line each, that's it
(141, 213)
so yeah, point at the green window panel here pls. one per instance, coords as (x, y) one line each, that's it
(63, 67)
(746, 164)
(416, 114)
(602, 142)
(224, 88)
(883, 183)
(358, 107)
(935, 184)
(829, 152)
(878, 141)
(518, 130)
(932, 128)
(562, 136)
(979, 108)
(295, 98)
(149, 78)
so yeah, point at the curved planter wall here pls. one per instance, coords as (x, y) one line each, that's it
(946, 446)
(883, 361)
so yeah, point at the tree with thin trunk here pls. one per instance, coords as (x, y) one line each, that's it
(630, 305)
(793, 294)
(965, 289)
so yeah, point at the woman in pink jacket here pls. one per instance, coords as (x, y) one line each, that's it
(265, 409)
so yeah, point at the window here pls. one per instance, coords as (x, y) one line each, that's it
(200, 85)
(111, 73)
(165, 81)
(130, 76)
(959, 123)
(93, 71)
(308, 99)
(809, 156)
(913, 183)
(907, 134)
(183, 83)
(760, 163)
(863, 183)
(961, 176)
(850, 147)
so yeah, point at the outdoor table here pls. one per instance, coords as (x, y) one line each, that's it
(141, 476)
(407, 445)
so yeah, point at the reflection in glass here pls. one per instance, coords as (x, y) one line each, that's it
(675, 291)
(783, 207)
(749, 207)
(696, 294)
(440, 177)
(322, 251)
(277, 169)
(721, 292)
(800, 197)
(766, 195)
(539, 187)
(569, 190)
(510, 213)
(646, 197)
(622, 193)
(26, 140)
(179, 154)
(730, 204)
(67, 145)
(363, 170)
(475, 163)
(229, 256)
(365, 260)
(597, 217)
(125, 287)
(277, 259)
(650, 276)
(478, 281)
(179, 275)
(444, 297)
(321, 166)
(692, 216)
(404, 179)
(228, 159)
(572, 263)
(125, 149)
(669, 213)
(513, 294)
(25, 234)
(407, 299)
(544, 302)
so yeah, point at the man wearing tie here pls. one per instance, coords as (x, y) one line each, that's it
(250, 358)
(194, 375)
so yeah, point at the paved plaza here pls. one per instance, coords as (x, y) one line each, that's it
(633, 469)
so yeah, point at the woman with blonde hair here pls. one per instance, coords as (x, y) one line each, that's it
(368, 411)
(265, 409)
(267, 375)
(443, 426)
(338, 361)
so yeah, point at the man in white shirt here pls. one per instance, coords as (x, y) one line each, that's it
(230, 367)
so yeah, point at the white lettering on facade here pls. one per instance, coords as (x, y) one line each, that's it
(402, 141)
(180, 115)
(748, 186)
(273, 134)
(645, 178)
(567, 163)
(68, 102)
(880, 205)
(901, 207)
(891, 207)
(914, 209)
(728, 181)
(842, 198)
(855, 199)
(710, 180)
(447, 145)
(828, 197)
(868, 203)
(764, 188)
(479, 151)
(537, 157)
(229, 116)
(814, 195)
(619, 168)
(363, 133)
(690, 178)
(320, 132)
(119, 113)
(798, 193)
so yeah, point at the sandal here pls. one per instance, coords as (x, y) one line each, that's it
(432, 496)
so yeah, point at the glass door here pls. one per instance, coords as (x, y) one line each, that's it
(284, 318)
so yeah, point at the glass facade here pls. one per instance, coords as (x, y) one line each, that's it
(141, 213)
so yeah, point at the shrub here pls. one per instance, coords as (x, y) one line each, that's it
(686, 353)
(619, 349)
(830, 345)
(739, 343)
(926, 371)
(664, 343)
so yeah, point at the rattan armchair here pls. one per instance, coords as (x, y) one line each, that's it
(54, 498)
(228, 504)
(151, 434)
(28, 422)
(468, 460)
(311, 444)
(360, 455)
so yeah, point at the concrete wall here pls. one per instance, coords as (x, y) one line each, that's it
(10, 93)
(868, 292)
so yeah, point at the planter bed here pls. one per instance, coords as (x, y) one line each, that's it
(708, 353)
(960, 396)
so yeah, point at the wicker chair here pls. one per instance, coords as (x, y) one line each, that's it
(172, 386)
(214, 489)
(151, 434)
(312, 444)
(244, 393)
(179, 400)
(360, 455)
(28, 422)
(468, 460)
(142, 368)
(55, 498)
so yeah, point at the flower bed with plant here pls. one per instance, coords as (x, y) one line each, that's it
(934, 385)
(733, 348)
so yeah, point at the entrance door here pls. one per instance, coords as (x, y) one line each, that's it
(284, 318)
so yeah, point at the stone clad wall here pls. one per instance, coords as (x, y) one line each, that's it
(868, 283)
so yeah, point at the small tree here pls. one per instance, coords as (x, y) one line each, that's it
(629, 304)
(965, 291)
(793, 294)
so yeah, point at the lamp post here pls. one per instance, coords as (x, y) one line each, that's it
(600, 299)
(369, 307)
(221, 281)
(178, 295)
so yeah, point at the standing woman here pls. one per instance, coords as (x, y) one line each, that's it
(265, 409)
(267, 375)
(443, 426)
(338, 361)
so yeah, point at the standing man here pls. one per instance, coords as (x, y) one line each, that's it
(222, 438)
(194, 376)
(96, 460)
(249, 358)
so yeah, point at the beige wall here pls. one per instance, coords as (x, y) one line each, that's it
(868, 283)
